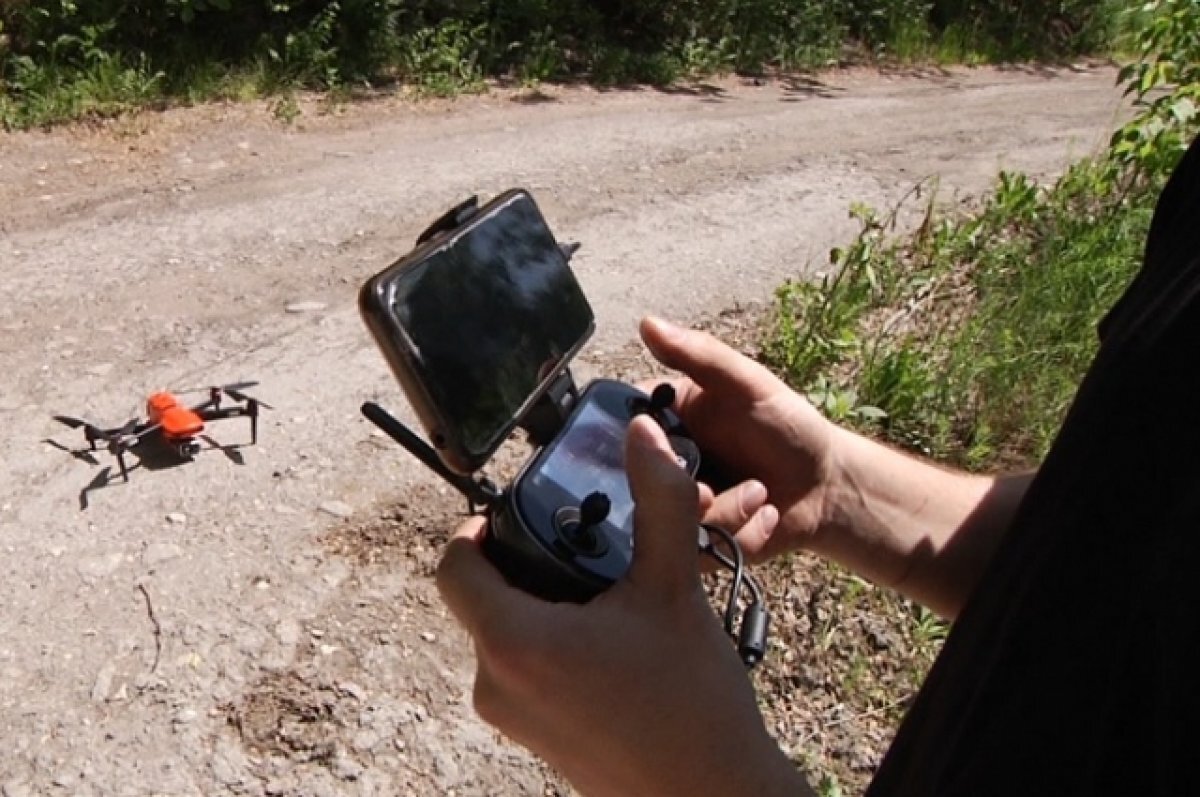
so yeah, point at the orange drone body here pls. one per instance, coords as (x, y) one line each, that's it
(172, 422)
(177, 421)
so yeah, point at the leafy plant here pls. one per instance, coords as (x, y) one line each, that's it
(1165, 83)
(444, 60)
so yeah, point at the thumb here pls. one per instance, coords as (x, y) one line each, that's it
(666, 505)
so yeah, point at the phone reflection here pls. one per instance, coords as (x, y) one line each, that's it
(491, 315)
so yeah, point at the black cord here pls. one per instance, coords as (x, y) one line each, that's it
(751, 636)
(736, 565)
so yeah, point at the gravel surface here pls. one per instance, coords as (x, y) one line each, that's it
(264, 622)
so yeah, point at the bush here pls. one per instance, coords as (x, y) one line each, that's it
(170, 47)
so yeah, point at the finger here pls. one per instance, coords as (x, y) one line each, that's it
(708, 361)
(473, 589)
(666, 506)
(734, 507)
(706, 498)
(754, 534)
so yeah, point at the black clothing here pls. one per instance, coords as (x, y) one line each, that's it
(1074, 668)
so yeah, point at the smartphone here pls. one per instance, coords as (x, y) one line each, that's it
(476, 324)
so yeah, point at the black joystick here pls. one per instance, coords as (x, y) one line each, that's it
(579, 527)
(661, 399)
(593, 511)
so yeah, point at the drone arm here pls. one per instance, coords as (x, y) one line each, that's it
(222, 413)
(250, 410)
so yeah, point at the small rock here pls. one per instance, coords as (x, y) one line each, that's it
(99, 369)
(365, 741)
(288, 632)
(428, 636)
(184, 716)
(346, 768)
(97, 567)
(277, 786)
(339, 509)
(65, 780)
(103, 684)
(228, 765)
(354, 690)
(305, 307)
(158, 552)
(177, 518)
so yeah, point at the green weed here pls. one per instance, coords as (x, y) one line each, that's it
(443, 61)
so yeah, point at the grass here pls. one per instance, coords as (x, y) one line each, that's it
(964, 339)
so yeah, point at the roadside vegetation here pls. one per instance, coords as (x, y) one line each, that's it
(960, 335)
(67, 59)
(964, 338)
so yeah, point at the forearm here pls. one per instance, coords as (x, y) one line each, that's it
(910, 525)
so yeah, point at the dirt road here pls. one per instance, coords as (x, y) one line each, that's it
(223, 627)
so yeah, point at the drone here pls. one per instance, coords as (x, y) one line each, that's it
(171, 423)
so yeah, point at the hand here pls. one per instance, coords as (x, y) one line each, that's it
(637, 692)
(757, 426)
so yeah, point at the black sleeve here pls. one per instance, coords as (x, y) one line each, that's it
(1159, 290)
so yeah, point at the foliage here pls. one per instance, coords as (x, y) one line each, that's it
(1165, 84)
(966, 338)
(444, 60)
(193, 48)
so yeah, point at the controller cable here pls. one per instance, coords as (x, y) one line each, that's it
(751, 634)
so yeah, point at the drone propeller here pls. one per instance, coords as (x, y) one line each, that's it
(222, 388)
(237, 394)
(94, 432)
(236, 386)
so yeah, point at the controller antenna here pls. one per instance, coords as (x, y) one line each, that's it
(478, 494)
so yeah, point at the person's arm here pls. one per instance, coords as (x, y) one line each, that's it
(889, 517)
(904, 523)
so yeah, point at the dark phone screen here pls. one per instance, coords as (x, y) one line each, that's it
(490, 316)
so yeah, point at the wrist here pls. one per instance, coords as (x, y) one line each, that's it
(838, 486)
(764, 771)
